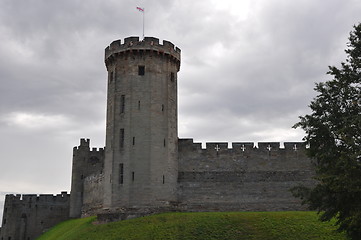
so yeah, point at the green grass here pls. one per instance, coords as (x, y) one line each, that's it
(201, 226)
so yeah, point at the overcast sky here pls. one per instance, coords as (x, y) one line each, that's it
(248, 71)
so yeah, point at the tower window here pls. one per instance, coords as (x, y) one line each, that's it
(133, 176)
(111, 76)
(163, 179)
(133, 140)
(162, 107)
(138, 105)
(121, 138)
(141, 70)
(122, 103)
(164, 142)
(172, 76)
(121, 173)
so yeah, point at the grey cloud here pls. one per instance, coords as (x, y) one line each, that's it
(241, 79)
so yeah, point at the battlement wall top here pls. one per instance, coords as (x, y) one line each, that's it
(242, 156)
(147, 44)
(243, 146)
(20, 198)
(85, 144)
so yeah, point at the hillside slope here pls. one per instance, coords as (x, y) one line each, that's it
(202, 226)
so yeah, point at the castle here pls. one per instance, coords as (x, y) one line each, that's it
(145, 168)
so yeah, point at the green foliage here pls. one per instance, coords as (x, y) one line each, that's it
(333, 132)
(201, 226)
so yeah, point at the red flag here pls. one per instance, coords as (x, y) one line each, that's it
(140, 9)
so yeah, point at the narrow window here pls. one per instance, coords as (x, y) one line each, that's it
(121, 173)
(111, 76)
(172, 76)
(141, 70)
(138, 105)
(121, 143)
(133, 140)
(122, 103)
(163, 179)
(133, 176)
(4, 221)
(162, 107)
(164, 142)
(5, 210)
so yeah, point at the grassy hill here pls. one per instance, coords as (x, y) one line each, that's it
(202, 226)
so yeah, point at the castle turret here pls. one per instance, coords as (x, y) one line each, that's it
(86, 162)
(141, 166)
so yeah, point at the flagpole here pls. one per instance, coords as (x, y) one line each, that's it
(143, 21)
(143, 12)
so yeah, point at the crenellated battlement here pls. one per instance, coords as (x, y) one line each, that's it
(85, 144)
(31, 198)
(148, 44)
(241, 146)
(242, 156)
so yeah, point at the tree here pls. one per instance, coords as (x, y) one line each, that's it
(333, 132)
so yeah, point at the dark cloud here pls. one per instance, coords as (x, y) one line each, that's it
(248, 71)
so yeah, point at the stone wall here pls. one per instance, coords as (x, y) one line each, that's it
(93, 194)
(28, 216)
(243, 178)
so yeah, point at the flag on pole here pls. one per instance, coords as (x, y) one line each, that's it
(142, 11)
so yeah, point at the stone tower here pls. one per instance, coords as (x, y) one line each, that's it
(86, 162)
(141, 154)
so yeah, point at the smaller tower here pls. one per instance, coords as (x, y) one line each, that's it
(85, 162)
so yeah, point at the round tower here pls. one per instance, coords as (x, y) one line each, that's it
(141, 160)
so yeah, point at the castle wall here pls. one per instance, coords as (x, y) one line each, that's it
(28, 216)
(86, 162)
(93, 194)
(244, 178)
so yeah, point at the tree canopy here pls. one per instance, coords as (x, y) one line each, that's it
(333, 132)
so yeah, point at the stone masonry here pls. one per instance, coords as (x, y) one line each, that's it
(28, 216)
(145, 168)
